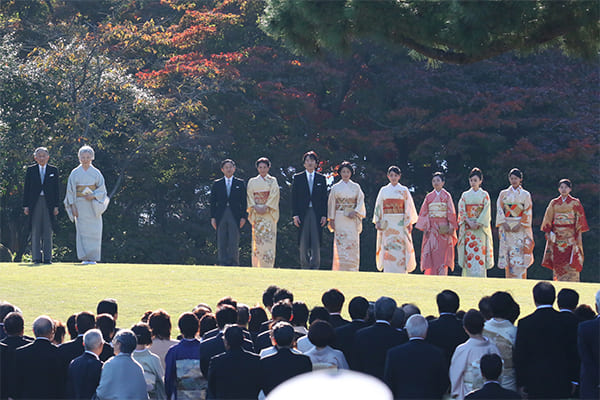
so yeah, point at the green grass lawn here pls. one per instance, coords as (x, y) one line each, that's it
(62, 289)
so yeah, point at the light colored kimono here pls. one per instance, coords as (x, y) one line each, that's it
(122, 378)
(344, 198)
(327, 358)
(475, 247)
(154, 373)
(263, 191)
(437, 220)
(395, 210)
(89, 223)
(503, 334)
(465, 373)
(516, 247)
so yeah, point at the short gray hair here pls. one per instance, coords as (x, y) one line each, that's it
(127, 339)
(598, 300)
(416, 326)
(40, 149)
(86, 149)
(43, 326)
(384, 308)
(92, 339)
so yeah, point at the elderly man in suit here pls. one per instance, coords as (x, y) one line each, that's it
(309, 210)
(40, 202)
(588, 342)
(84, 371)
(228, 214)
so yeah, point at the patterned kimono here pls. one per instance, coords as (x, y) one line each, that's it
(437, 220)
(516, 247)
(503, 334)
(263, 191)
(395, 211)
(344, 198)
(564, 222)
(475, 247)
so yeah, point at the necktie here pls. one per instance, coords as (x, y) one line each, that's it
(310, 182)
(228, 187)
(43, 174)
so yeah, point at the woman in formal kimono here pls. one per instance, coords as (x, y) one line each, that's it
(475, 247)
(513, 219)
(394, 217)
(85, 202)
(564, 222)
(263, 214)
(437, 220)
(345, 211)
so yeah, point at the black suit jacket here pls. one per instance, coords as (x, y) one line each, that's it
(263, 340)
(71, 350)
(301, 197)
(281, 366)
(14, 342)
(7, 368)
(33, 188)
(83, 377)
(234, 375)
(107, 352)
(237, 199)
(492, 390)
(336, 320)
(446, 332)
(588, 342)
(215, 332)
(371, 345)
(213, 346)
(542, 357)
(39, 371)
(416, 370)
(344, 339)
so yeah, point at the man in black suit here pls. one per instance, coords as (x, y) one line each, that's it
(491, 368)
(542, 357)
(228, 213)
(309, 210)
(283, 365)
(281, 311)
(38, 367)
(234, 374)
(567, 300)
(344, 335)
(333, 301)
(416, 369)
(40, 202)
(84, 371)
(447, 332)
(6, 371)
(371, 344)
(71, 350)
(588, 343)
(14, 328)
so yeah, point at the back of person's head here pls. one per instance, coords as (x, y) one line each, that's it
(282, 310)
(145, 316)
(59, 332)
(43, 326)
(333, 300)
(72, 326)
(126, 339)
(200, 310)
(384, 308)
(567, 299)
(318, 313)
(188, 325)
(5, 309)
(583, 311)
(282, 294)
(409, 309)
(106, 324)
(160, 324)
(227, 300)
(502, 305)
(107, 306)
(397, 321)
(473, 322)
(14, 324)
(485, 308)
(234, 336)
(544, 293)
(208, 322)
(447, 301)
(243, 314)
(358, 307)
(267, 297)
(299, 313)
(283, 334)
(92, 339)
(84, 322)
(416, 326)
(491, 366)
(142, 333)
(321, 333)
(258, 315)
(226, 315)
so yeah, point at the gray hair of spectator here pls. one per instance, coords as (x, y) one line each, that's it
(409, 310)
(384, 308)
(40, 149)
(416, 326)
(598, 300)
(86, 149)
(92, 339)
(127, 339)
(43, 326)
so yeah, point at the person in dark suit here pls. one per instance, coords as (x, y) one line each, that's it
(333, 301)
(14, 328)
(6, 371)
(588, 343)
(72, 349)
(283, 365)
(38, 367)
(84, 372)
(281, 311)
(309, 210)
(371, 344)
(5, 309)
(228, 204)
(40, 203)
(491, 368)
(542, 357)
(238, 363)
(567, 300)
(106, 324)
(344, 335)
(447, 332)
(416, 369)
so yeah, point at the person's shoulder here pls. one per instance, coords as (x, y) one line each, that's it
(299, 174)
(238, 180)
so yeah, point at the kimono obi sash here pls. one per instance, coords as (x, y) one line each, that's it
(393, 206)
(345, 204)
(438, 210)
(260, 198)
(564, 219)
(513, 210)
(83, 190)
(474, 210)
